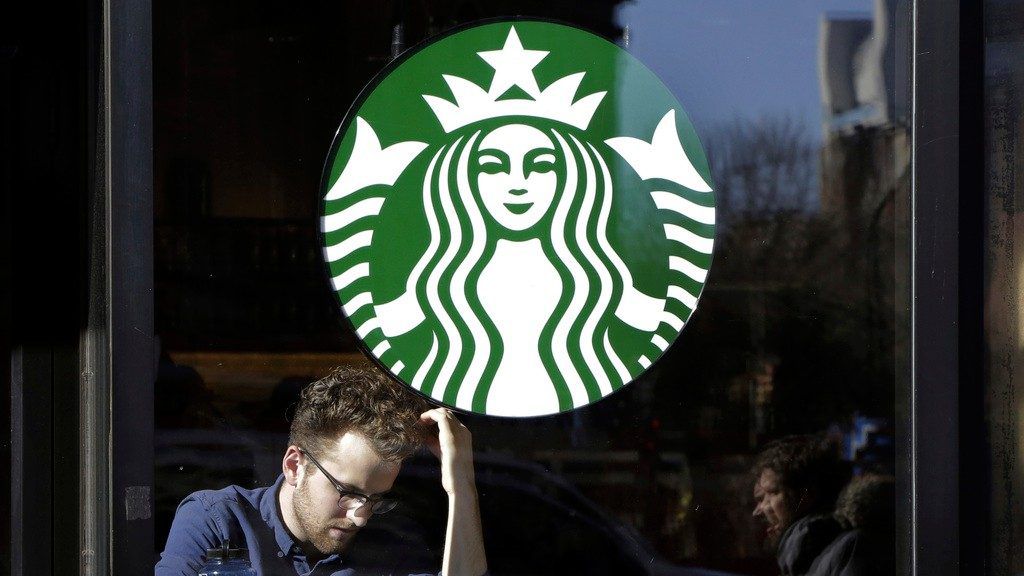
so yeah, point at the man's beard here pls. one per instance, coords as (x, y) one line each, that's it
(317, 530)
(771, 540)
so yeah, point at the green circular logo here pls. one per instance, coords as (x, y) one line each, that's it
(518, 218)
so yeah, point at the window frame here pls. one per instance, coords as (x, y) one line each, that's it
(116, 405)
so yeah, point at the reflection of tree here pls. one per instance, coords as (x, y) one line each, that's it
(761, 167)
(796, 327)
(799, 306)
(766, 191)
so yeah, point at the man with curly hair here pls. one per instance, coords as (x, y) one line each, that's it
(797, 481)
(349, 436)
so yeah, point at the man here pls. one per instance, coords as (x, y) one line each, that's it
(348, 438)
(798, 479)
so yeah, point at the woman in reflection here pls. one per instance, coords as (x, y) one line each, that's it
(520, 284)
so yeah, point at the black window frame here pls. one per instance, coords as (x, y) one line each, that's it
(942, 450)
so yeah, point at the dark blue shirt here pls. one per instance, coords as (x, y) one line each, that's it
(252, 519)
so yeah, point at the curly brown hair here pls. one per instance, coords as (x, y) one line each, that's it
(868, 502)
(363, 400)
(806, 465)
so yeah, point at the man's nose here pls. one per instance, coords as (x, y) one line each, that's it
(360, 515)
(757, 512)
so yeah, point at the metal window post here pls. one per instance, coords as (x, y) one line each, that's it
(119, 364)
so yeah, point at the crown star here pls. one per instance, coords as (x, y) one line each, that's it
(513, 66)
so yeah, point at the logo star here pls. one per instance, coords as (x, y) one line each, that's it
(513, 66)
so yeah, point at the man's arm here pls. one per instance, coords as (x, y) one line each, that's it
(193, 531)
(464, 540)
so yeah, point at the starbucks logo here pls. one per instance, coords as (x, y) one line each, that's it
(518, 218)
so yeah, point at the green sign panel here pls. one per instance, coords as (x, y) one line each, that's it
(518, 218)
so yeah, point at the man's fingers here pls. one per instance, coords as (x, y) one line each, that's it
(437, 415)
(453, 446)
(442, 416)
(450, 431)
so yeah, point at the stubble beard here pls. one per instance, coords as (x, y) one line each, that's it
(772, 540)
(317, 532)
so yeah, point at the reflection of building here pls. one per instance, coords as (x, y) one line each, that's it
(855, 60)
(863, 127)
(865, 160)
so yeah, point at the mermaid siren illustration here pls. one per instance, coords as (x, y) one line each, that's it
(518, 299)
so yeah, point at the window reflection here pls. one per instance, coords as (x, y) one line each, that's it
(802, 328)
(1004, 278)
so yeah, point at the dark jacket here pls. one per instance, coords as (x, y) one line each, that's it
(857, 553)
(804, 541)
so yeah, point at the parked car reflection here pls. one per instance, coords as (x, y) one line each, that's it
(535, 522)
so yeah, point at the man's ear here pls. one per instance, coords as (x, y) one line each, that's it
(291, 465)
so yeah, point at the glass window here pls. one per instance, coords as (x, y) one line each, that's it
(802, 327)
(1004, 138)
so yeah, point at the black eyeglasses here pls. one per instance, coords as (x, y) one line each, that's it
(349, 500)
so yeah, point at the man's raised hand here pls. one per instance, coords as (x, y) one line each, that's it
(464, 540)
(454, 447)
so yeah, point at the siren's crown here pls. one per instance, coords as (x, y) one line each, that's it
(513, 66)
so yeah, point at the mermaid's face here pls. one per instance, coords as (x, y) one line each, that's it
(517, 179)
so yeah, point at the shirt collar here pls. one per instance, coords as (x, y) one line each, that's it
(270, 509)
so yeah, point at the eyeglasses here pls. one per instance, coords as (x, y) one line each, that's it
(349, 500)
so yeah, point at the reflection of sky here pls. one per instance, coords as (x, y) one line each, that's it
(729, 58)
